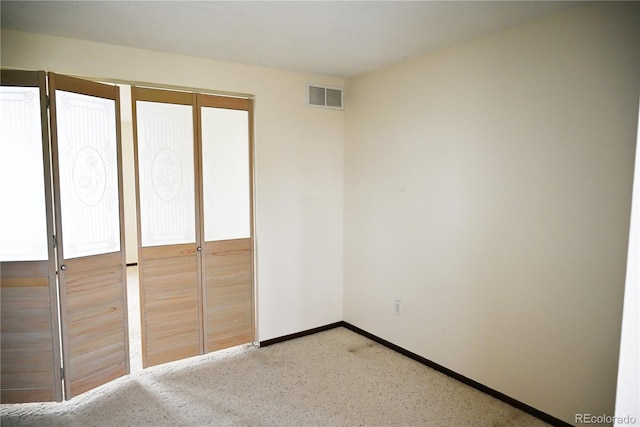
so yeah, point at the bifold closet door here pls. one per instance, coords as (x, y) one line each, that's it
(168, 225)
(85, 140)
(227, 225)
(30, 348)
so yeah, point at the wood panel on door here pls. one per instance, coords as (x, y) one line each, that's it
(229, 293)
(227, 212)
(85, 131)
(168, 225)
(30, 350)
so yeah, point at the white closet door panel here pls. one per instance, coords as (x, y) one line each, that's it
(166, 173)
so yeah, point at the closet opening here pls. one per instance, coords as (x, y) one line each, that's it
(134, 244)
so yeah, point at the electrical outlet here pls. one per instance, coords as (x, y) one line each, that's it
(397, 307)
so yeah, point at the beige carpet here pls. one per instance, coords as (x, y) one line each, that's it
(333, 378)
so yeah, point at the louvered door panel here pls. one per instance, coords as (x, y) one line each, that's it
(28, 369)
(229, 291)
(95, 310)
(171, 305)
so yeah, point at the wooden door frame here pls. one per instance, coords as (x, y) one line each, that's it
(240, 104)
(38, 79)
(177, 98)
(111, 92)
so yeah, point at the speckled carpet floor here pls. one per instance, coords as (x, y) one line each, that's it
(332, 378)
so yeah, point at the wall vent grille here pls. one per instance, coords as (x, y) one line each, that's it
(325, 97)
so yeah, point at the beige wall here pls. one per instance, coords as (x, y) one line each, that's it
(298, 168)
(488, 187)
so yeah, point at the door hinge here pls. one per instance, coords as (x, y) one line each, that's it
(61, 373)
(55, 242)
(48, 101)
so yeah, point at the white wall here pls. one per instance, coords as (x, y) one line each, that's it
(488, 187)
(628, 389)
(298, 168)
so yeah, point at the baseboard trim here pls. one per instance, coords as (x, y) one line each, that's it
(301, 334)
(466, 380)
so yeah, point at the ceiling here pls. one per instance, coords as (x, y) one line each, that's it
(337, 38)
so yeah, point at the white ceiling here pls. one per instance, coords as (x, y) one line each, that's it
(338, 38)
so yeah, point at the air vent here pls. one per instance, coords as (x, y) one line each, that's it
(325, 97)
